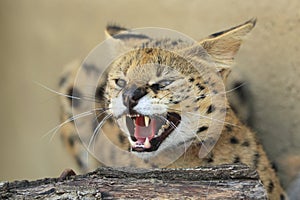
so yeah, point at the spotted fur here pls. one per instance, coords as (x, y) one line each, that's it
(136, 82)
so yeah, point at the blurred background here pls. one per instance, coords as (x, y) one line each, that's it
(39, 37)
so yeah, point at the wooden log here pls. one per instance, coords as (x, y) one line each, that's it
(217, 182)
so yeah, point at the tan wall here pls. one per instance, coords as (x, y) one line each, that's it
(39, 37)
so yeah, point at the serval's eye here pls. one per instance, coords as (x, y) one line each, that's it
(120, 82)
(161, 84)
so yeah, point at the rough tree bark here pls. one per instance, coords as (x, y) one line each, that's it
(220, 182)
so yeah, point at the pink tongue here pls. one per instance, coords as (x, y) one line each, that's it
(141, 132)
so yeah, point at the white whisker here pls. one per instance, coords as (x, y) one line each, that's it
(237, 87)
(196, 136)
(97, 129)
(95, 133)
(206, 117)
(213, 119)
(175, 127)
(73, 118)
(55, 92)
(86, 98)
(227, 91)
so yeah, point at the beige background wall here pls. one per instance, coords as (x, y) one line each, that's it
(38, 38)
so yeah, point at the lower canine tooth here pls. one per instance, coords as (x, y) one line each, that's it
(147, 144)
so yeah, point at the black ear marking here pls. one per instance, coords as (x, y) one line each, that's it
(130, 36)
(113, 29)
(223, 46)
(253, 21)
(122, 33)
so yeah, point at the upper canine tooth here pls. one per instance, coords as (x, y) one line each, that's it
(147, 120)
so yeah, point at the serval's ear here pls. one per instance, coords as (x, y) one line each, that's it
(122, 40)
(112, 30)
(223, 46)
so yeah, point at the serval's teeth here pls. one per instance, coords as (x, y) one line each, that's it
(147, 144)
(161, 130)
(134, 115)
(166, 126)
(147, 121)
